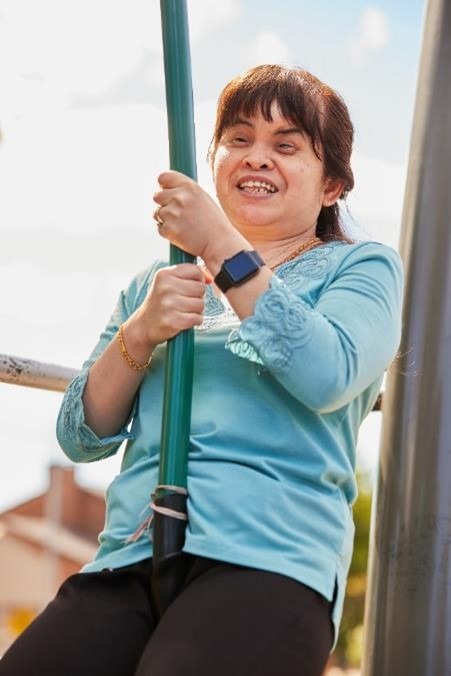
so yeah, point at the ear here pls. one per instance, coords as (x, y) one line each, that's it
(333, 188)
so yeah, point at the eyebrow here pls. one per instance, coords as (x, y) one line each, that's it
(290, 130)
(241, 120)
(280, 132)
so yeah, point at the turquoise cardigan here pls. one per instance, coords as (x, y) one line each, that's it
(277, 403)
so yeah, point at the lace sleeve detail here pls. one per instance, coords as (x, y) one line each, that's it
(276, 327)
(76, 438)
(327, 355)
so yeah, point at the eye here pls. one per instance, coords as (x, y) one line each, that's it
(286, 147)
(239, 140)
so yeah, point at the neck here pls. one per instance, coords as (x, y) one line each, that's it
(274, 250)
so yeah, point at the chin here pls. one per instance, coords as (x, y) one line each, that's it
(251, 218)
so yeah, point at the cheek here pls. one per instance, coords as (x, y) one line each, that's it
(221, 167)
(312, 174)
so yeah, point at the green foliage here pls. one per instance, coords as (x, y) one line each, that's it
(349, 648)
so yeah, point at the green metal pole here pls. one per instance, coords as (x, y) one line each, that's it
(182, 154)
(169, 532)
(408, 615)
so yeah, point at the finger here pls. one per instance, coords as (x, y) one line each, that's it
(163, 197)
(187, 287)
(189, 271)
(181, 282)
(206, 277)
(188, 305)
(186, 320)
(172, 179)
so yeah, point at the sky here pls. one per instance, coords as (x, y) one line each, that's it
(84, 136)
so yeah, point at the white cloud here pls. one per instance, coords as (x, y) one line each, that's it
(374, 28)
(44, 296)
(52, 49)
(269, 47)
(376, 201)
(205, 16)
(82, 168)
(373, 34)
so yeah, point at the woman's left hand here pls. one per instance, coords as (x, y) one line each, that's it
(189, 217)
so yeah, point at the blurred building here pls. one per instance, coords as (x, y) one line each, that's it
(42, 542)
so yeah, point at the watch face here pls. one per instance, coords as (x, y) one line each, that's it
(240, 267)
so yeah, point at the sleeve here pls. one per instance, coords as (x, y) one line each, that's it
(328, 354)
(75, 437)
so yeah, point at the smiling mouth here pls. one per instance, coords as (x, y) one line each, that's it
(257, 187)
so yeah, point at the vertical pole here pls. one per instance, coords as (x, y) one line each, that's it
(182, 154)
(168, 531)
(408, 615)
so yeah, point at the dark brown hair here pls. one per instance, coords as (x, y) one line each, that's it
(306, 102)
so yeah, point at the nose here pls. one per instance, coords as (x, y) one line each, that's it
(258, 157)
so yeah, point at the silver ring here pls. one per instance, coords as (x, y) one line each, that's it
(158, 218)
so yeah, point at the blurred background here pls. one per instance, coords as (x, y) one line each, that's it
(83, 138)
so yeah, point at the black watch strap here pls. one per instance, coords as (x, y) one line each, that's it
(238, 269)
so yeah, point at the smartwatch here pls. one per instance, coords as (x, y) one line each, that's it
(238, 269)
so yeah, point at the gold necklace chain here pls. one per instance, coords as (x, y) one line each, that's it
(303, 248)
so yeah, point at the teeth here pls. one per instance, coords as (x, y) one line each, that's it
(257, 186)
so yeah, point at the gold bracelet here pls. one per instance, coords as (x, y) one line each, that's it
(130, 361)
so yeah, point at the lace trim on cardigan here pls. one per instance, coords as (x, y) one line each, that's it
(75, 427)
(313, 264)
(274, 330)
(216, 314)
(73, 408)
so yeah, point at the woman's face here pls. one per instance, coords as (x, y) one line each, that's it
(268, 179)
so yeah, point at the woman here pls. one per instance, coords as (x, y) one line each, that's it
(309, 322)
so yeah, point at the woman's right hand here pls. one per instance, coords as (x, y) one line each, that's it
(175, 302)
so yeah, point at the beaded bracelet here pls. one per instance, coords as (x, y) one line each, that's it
(130, 361)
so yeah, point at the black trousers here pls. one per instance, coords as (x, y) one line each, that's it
(227, 621)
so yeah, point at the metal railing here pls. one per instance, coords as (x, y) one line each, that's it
(31, 373)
